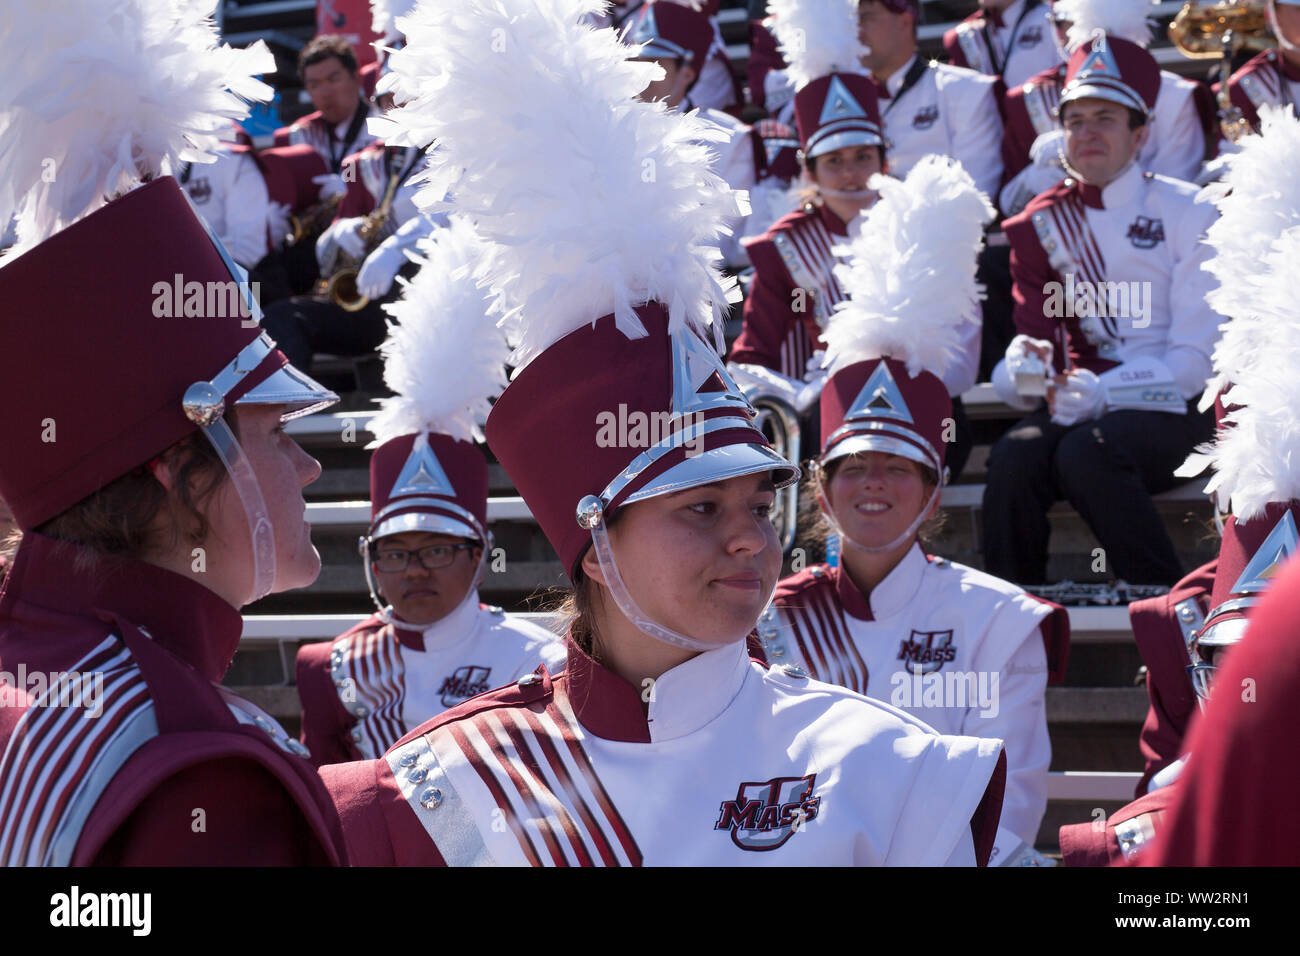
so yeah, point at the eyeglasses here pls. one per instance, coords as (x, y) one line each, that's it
(433, 557)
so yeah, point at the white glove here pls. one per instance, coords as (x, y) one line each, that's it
(380, 269)
(1048, 149)
(1082, 398)
(341, 234)
(277, 223)
(814, 367)
(331, 185)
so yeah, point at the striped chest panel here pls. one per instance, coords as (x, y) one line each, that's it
(815, 623)
(805, 251)
(1041, 101)
(549, 807)
(1072, 250)
(369, 678)
(65, 750)
(970, 36)
(1266, 87)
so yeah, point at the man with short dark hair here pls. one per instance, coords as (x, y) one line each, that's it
(1109, 292)
(328, 70)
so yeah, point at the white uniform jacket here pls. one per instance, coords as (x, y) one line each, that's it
(368, 687)
(1022, 46)
(1134, 251)
(720, 762)
(955, 647)
(231, 196)
(948, 111)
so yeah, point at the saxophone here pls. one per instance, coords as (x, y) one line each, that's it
(341, 284)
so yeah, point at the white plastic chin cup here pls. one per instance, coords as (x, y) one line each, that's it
(907, 534)
(260, 531)
(591, 515)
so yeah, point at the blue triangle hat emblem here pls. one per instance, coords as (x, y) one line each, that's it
(840, 104)
(880, 398)
(694, 363)
(644, 28)
(422, 474)
(1100, 60)
(1281, 543)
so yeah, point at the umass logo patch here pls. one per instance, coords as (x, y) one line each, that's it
(468, 681)
(200, 190)
(1146, 233)
(1032, 36)
(926, 651)
(925, 117)
(764, 815)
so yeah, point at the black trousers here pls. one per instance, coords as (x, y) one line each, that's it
(305, 325)
(997, 308)
(1107, 469)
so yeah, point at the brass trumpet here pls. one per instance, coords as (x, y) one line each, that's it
(1204, 29)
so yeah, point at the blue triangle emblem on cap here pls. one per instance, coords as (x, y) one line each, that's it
(644, 28)
(840, 104)
(422, 474)
(880, 398)
(1100, 60)
(694, 365)
(1281, 543)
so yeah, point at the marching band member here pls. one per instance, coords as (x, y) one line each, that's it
(795, 289)
(151, 513)
(890, 613)
(376, 226)
(1031, 143)
(753, 766)
(714, 87)
(1009, 39)
(1256, 480)
(432, 645)
(327, 67)
(1272, 78)
(1110, 291)
(927, 107)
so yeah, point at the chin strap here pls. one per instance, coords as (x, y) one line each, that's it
(908, 533)
(260, 532)
(591, 517)
(858, 194)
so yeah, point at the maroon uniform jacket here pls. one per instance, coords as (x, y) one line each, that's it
(793, 292)
(135, 755)
(1027, 112)
(1237, 795)
(1163, 627)
(1266, 78)
(1127, 831)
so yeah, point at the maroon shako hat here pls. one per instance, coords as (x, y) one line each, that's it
(670, 31)
(1114, 69)
(428, 482)
(157, 337)
(877, 405)
(622, 420)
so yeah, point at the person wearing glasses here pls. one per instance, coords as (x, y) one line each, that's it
(431, 645)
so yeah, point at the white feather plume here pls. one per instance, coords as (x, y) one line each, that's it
(595, 202)
(444, 355)
(1258, 198)
(911, 275)
(817, 37)
(1127, 19)
(384, 14)
(1256, 241)
(97, 96)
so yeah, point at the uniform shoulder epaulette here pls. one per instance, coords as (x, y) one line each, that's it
(371, 623)
(810, 577)
(526, 690)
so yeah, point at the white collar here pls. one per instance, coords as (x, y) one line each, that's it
(449, 631)
(895, 81)
(1122, 190)
(693, 693)
(899, 586)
